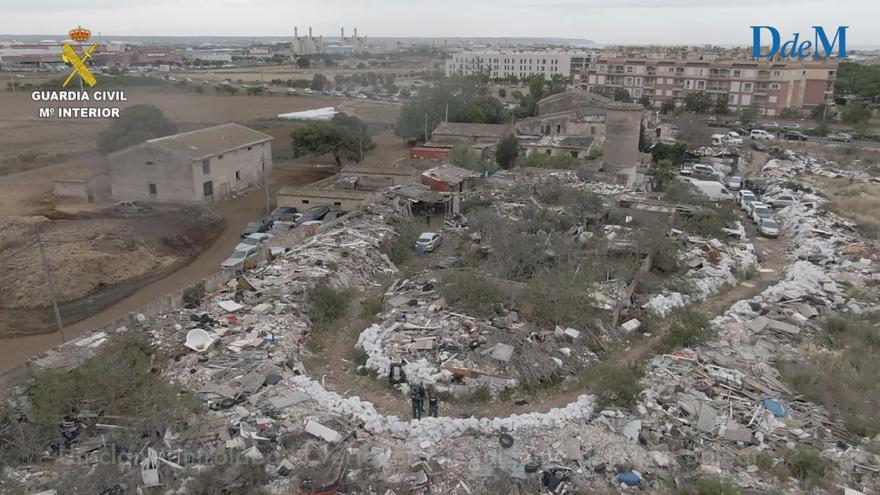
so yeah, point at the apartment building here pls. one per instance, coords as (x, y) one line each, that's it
(505, 63)
(767, 85)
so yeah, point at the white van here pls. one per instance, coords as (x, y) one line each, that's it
(760, 134)
(713, 190)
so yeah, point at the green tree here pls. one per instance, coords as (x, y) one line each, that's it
(856, 112)
(622, 95)
(698, 102)
(819, 113)
(502, 93)
(667, 107)
(344, 136)
(857, 79)
(135, 125)
(721, 107)
(507, 151)
(254, 90)
(484, 110)
(748, 115)
(319, 82)
(674, 152)
(645, 101)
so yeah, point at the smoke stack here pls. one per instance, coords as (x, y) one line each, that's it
(342, 32)
(295, 33)
(310, 31)
(355, 33)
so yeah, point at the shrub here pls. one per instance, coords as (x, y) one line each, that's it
(806, 465)
(613, 386)
(687, 328)
(714, 486)
(707, 222)
(400, 248)
(324, 304)
(473, 294)
(371, 307)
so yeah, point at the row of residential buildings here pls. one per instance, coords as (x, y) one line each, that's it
(663, 74)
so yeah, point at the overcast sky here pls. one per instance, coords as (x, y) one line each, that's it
(603, 21)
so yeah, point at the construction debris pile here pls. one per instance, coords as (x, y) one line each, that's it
(457, 353)
(711, 264)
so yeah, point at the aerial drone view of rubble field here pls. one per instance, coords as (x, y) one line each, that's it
(433, 261)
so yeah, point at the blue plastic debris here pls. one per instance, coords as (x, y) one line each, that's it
(774, 407)
(629, 478)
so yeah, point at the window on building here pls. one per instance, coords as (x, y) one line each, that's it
(208, 189)
(558, 128)
(150, 163)
(152, 189)
(249, 148)
(305, 201)
(206, 167)
(219, 157)
(238, 175)
(737, 73)
(574, 154)
(629, 68)
(337, 203)
(549, 152)
(775, 85)
(747, 87)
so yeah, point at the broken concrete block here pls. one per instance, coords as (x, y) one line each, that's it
(807, 310)
(502, 352)
(660, 458)
(322, 432)
(736, 432)
(287, 400)
(632, 430)
(571, 450)
(253, 454)
(565, 351)
(759, 324)
(706, 420)
(631, 325)
(781, 326)
(229, 306)
(571, 333)
(557, 361)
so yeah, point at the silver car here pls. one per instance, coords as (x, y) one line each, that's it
(238, 257)
(428, 241)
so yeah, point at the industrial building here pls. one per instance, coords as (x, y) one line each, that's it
(500, 64)
(199, 166)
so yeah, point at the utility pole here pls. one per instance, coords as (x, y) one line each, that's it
(361, 144)
(447, 113)
(12, 82)
(426, 126)
(51, 283)
(266, 185)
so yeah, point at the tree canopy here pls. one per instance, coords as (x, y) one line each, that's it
(857, 79)
(344, 136)
(135, 125)
(507, 151)
(698, 102)
(458, 97)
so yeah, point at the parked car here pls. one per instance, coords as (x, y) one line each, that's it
(253, 240)
(761, 134)
(740, 131)
(759, 211)
(795, 136)
(735, 183)
(255, 227)
(840, 137)
(131, 207)
(238, 257)
(312, 214)
(791, 127)
(768, 227)
(284, 213)
(713, 190)
(745, 197)
(334, 214)
(782, 201)
(428, 241)
(702, 170)
(755, 184)
(733, 137)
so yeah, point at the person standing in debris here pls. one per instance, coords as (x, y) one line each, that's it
(432, 407)
(421, 391)
(416, 405)
(428, 219)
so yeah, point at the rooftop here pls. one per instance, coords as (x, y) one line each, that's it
(211, 141)
(450, 174)
(463, 129)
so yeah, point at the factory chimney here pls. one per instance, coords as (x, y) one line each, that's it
(355, 33)
(310, 31)
(342, 33)
(295, 32)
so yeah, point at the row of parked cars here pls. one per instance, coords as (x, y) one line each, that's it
(257, 233)
(761, 212)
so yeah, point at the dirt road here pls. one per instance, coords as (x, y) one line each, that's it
(16, 351)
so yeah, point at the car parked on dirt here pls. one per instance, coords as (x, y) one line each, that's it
(744, 197)
(253, 240)
(428, 242)
(131, 207)
(759, 211)
(238, 257)
(768, 227)
(735, 183)
(781, 201)
(255, 227)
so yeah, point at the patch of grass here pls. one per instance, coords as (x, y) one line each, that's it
(846, 381)
(711, 486)
(481, 394)
(359, 356)
(687, 328)
(236, 477)
(474, 203)
(807, 465)
(613, 386)
(400, 248)
(324, 304)
(370, 307)
(707, 222)
(473, 294)
(122, 380)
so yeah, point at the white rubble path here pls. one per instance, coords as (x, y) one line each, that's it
(441, 428)
(325, 113)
